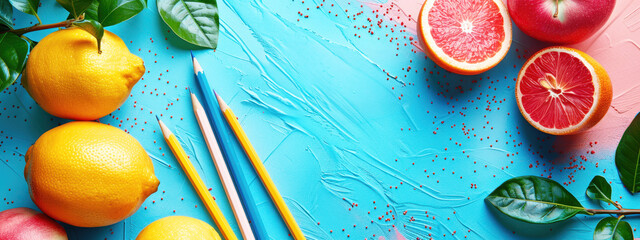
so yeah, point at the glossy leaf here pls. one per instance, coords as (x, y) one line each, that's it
(599, 189)
(32, 43)
(535, 200)
(26, 6)
(6, 14)
(611, 228)
(92, 27)
(91, 12)
(111, 12)
(75, 7)
(13, 57)
(195, 21)
(628, 156)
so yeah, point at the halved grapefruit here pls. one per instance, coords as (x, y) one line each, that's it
(465, 36)
(562, 91)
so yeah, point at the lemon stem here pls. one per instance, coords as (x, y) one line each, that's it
(555, 15)
(38, 27)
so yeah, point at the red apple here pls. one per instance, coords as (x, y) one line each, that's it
(27, 224)
(560, 21)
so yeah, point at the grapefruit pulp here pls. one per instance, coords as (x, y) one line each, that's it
(465, 36)
(562, 91)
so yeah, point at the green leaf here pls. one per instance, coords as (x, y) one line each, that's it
(535, 200)
(13, 57)
(32, 43)
(599, 189)
(27, 6)
(112, 12)
(6, 14)
(611, 228)
(628, 156)
(92, 27)
(195, 21)
(90, 13)
(75, 7)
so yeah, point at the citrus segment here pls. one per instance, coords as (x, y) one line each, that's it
(562, 91)
(465, 36)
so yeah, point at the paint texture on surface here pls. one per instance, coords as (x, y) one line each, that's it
(363, 135)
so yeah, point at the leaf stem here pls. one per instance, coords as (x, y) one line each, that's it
(38, 17)
(622, 211)
(37, 27)
(618, 206)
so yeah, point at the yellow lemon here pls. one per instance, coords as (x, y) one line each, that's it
(178, 228)
(88, 174)
(68, 78)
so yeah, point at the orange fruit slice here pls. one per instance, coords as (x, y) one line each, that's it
(465, 36)
(562, 91)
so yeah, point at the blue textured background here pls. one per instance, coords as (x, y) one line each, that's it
(363, 135)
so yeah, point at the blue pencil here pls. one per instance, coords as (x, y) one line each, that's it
(225, 140)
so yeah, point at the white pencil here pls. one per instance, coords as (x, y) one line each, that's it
(223, 171)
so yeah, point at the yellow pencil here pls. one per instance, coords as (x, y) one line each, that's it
(261, 170)
(197, 183)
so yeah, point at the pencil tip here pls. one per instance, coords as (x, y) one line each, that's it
(189, 90)
(191, 53)
(196, 65)
(157, 118)
(223, 105)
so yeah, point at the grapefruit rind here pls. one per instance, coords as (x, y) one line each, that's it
(443, 60)
(602, 92)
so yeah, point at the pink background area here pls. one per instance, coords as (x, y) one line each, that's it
(615, 46)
